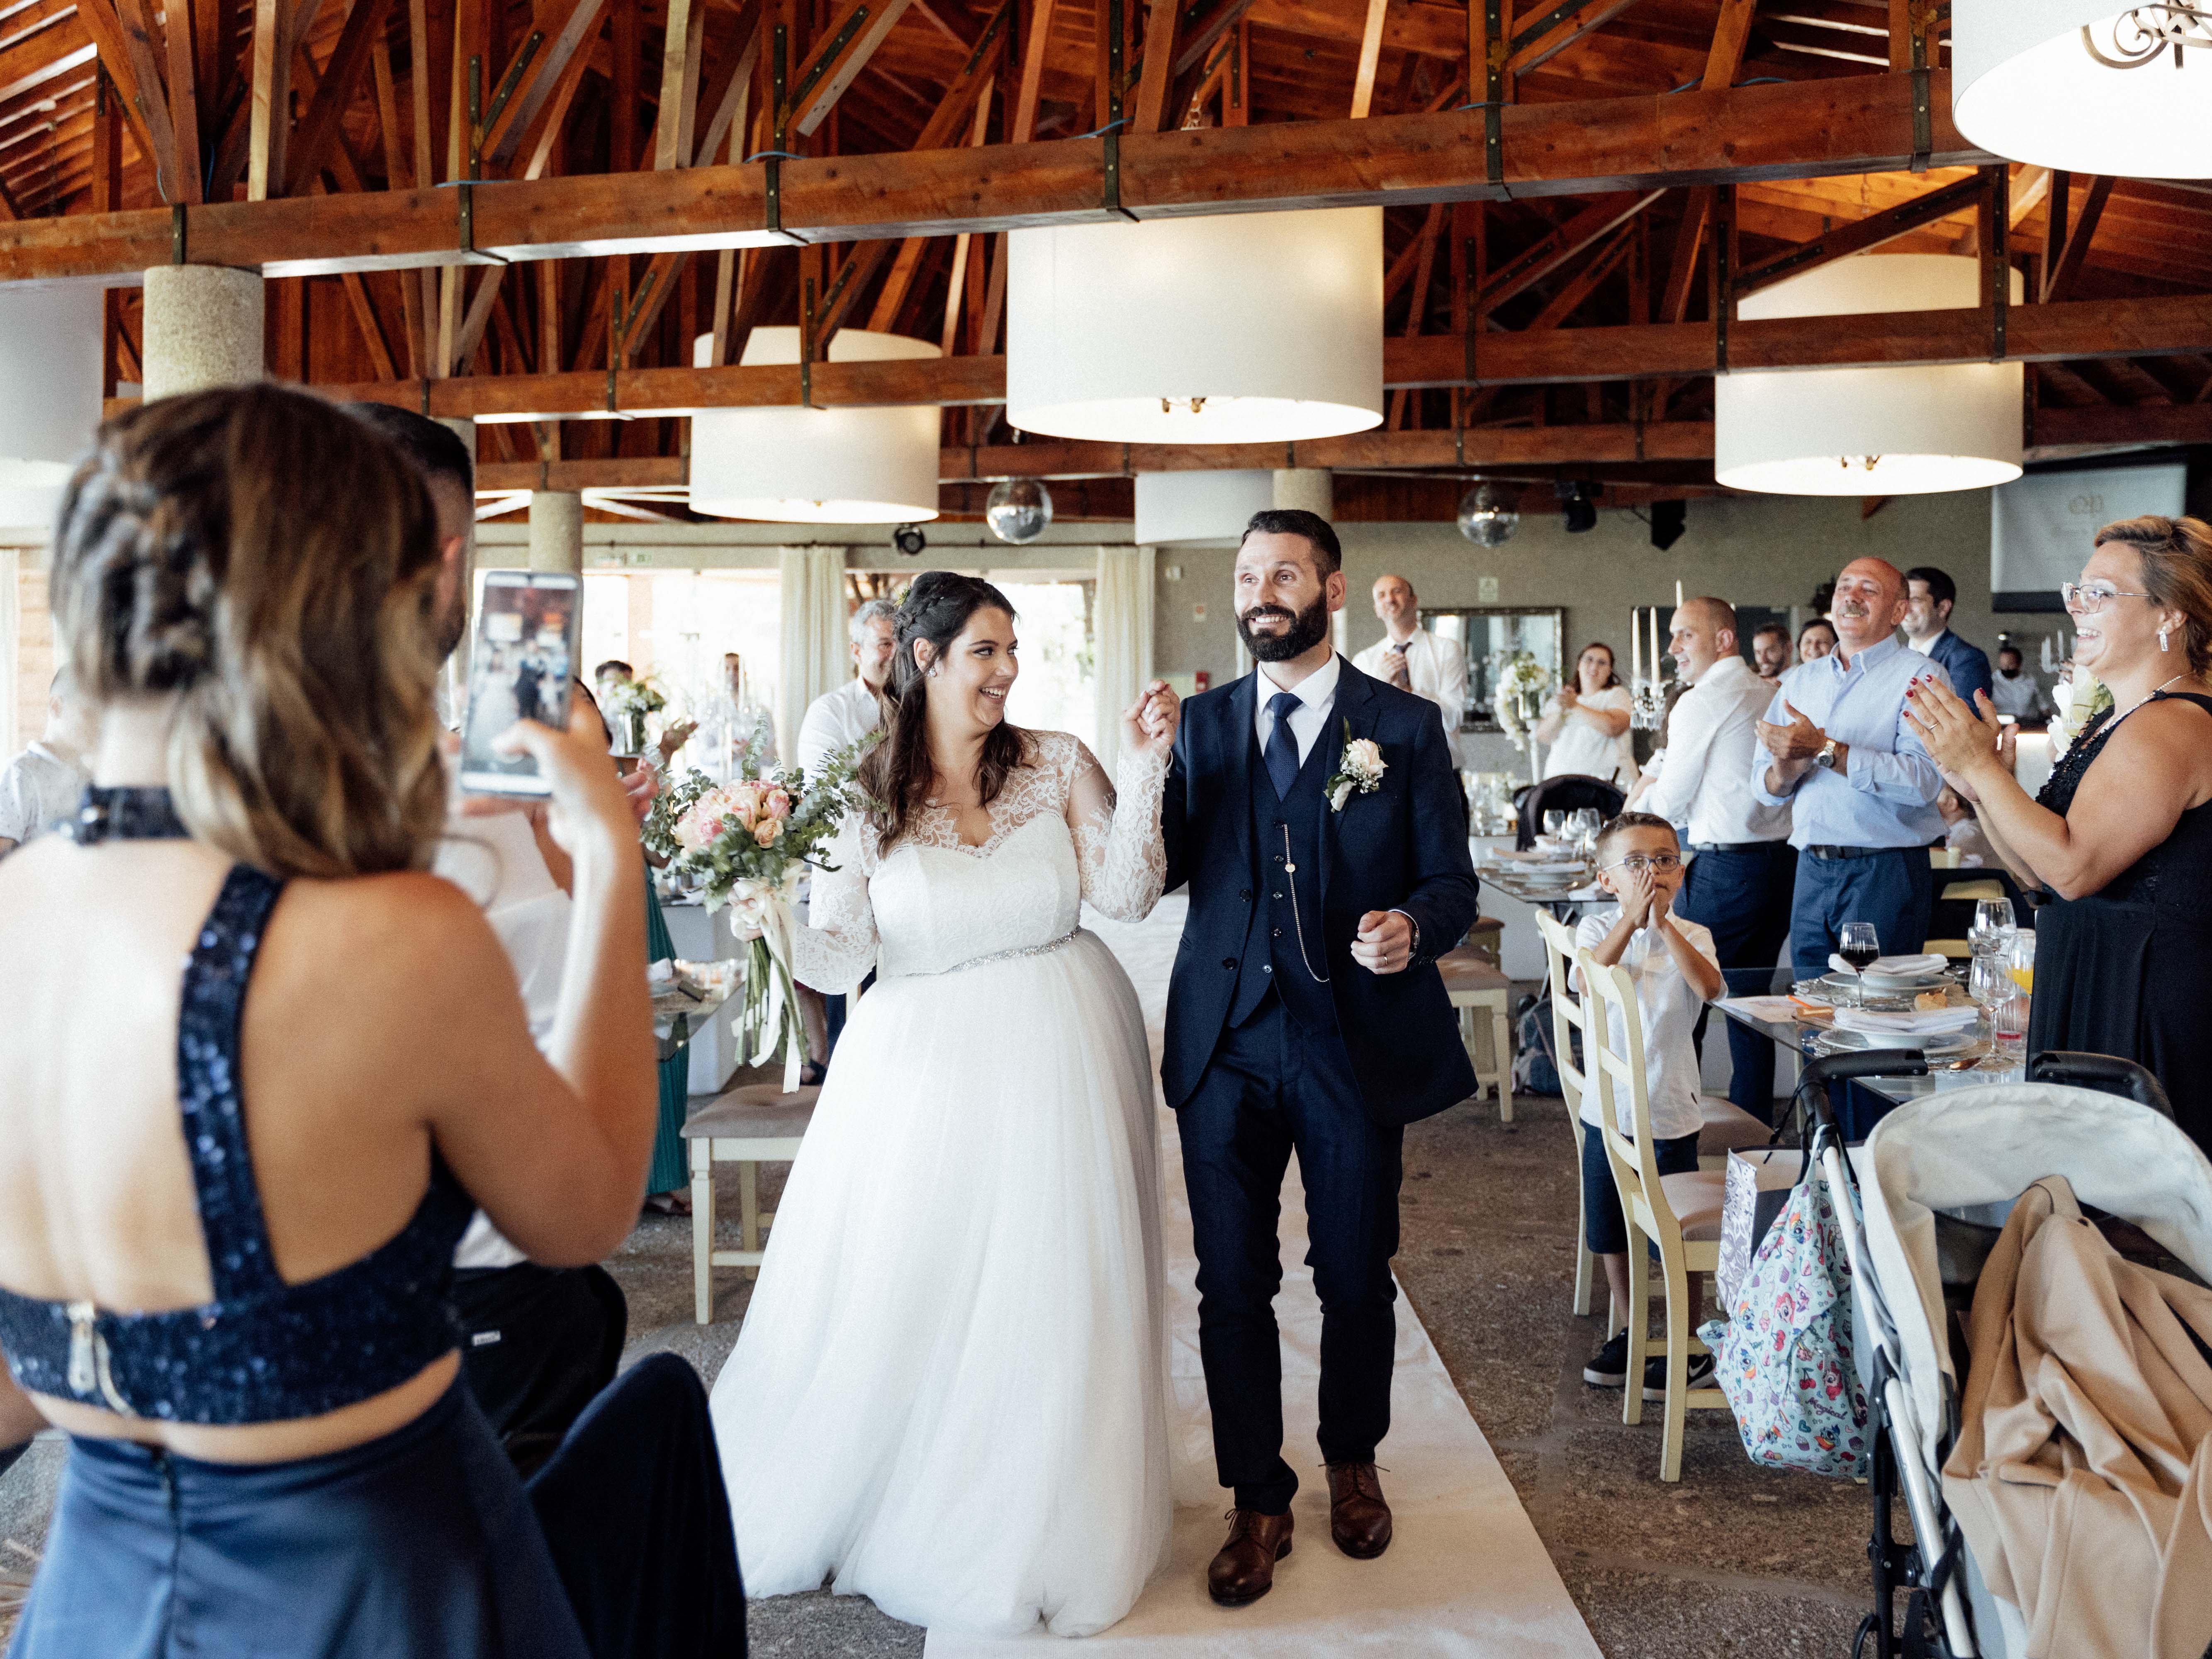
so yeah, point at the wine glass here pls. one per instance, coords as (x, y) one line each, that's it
(1993, 927)
(1555, 824)
(1858, 946)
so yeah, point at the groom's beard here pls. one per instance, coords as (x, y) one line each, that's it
(1307, 630)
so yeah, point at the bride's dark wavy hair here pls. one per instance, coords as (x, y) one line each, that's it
(897, 772)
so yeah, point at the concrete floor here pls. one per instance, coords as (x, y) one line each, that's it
(1733, 1560)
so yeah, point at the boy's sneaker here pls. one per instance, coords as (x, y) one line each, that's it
(1608, 1366)
(1654, 1374)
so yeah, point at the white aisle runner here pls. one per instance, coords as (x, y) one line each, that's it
(1465, 1575)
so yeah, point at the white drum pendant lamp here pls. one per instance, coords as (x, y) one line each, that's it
(1233, 328)
(1869, 431)
(2084, 86)
(1175, 508)
(50, 341)
(840, 465)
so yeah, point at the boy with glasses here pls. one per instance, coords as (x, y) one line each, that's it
(1677, 972)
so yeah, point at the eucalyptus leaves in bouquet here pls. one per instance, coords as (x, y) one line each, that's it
(1522, 684)
(669, 806)
(749, 843)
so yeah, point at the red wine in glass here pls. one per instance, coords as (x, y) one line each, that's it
(1861, 958)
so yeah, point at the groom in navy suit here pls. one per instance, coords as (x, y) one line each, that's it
(1306, 1015)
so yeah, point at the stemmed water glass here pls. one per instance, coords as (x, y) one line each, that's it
(1858, 945)
(1994, 926)
(1585, 825)
(1555, 823)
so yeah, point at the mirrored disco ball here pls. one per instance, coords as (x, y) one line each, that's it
(1485, 520)
(1018, 510)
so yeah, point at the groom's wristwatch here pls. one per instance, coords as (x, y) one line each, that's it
(1412, 951)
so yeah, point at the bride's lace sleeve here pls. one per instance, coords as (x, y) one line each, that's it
(1118, 850)
(835, 953)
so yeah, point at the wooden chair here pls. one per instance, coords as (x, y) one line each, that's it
(1472, 981)
(1678, 1213)
(1568, 1018)
(750, 1125)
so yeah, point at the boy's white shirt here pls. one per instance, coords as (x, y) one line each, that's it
(1670, 1009)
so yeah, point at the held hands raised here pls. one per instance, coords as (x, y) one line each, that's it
(1148, 725)
(1962, 743)
(1638, 890)
(1800, 739)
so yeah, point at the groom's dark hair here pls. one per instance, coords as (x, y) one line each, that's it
(1320, 534)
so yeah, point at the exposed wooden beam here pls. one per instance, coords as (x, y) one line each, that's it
(1600, 218)
(685, 36)
(372, 328)
(101, 24)
(184, 95)
(143, 53)
(565, 26)
(1371, 57)
(1158, 69)
(730, 90)
(1804, 130)
(1561, 29)
(1035, 39)
(2168, 326)
(1860, 234)
(974, 77)
(326, 117)
(2065, 269)
(847, 43)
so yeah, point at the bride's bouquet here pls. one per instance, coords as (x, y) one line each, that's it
(749, 843)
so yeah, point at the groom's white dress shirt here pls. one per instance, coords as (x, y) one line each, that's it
(1316, 695)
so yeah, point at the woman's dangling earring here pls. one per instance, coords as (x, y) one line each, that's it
(2164, 630)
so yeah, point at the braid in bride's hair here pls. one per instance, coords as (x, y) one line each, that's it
(897, 772)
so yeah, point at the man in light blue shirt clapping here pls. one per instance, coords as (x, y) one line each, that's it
(1835, 749)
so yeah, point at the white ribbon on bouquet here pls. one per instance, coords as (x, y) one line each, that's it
(771, 996)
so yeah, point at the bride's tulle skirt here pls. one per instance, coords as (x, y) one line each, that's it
(950, 1392)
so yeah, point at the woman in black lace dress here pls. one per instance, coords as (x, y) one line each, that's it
(2121, 837)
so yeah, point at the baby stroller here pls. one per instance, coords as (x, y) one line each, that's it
(1937, 1179)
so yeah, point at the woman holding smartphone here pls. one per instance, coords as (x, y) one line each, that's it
(230, 1195)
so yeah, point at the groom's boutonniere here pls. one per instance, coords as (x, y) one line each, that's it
(1358, 772)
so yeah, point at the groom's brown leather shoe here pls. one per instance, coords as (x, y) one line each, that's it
(1358, 1519)
(1244, 1568)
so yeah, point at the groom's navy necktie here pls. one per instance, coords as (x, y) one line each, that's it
(1281, 754)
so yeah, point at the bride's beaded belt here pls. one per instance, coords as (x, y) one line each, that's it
(1066, 938)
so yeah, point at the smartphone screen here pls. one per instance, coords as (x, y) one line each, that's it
(524, 662)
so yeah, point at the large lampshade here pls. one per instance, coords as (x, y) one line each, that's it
(2080, 85)
(1199, 506)
(1233, 328)
(50, 341)
(841, 465)
(1869, 431)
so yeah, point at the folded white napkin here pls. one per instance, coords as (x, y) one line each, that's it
(1920, 1024)
(1927, 962)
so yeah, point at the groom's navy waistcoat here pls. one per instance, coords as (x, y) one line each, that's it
(1285, 862)
(1402, 847)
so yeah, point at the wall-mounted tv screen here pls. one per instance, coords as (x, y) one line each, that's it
(2042, 524)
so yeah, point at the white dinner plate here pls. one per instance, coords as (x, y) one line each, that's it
(1900, 982)
(1934, 1044)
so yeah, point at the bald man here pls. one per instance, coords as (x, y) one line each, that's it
(1414, 659)
(1835, 749)
(1739, 884)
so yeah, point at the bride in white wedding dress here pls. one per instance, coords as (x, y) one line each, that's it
(949, 1391)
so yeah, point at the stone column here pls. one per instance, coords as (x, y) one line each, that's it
(1313, 488)
(556, 530)
(204, 328)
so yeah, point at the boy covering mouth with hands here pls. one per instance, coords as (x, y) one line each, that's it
(1677, 972)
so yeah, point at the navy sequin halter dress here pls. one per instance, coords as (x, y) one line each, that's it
(421, 1542)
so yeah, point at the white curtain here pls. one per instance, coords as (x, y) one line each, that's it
(815, 660)
(11, 738)
(1125, 639)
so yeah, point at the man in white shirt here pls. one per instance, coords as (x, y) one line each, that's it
(1412, 659)
(860, 705)
(44, 784)
(1744, 870)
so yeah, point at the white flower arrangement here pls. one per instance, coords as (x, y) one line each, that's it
(1523, 683)
(2086, 697)
(1359, 772)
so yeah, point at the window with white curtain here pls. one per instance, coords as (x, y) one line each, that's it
(676, 624)
(1059, 656)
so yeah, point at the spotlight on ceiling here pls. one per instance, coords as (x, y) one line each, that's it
(1668, 520)
(908, 539)
(1018, 510)
(1578, 501)
(1485, 519)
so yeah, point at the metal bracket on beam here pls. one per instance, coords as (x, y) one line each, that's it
(1493, 92)
(177, 234)
(1923, 138)
(1724, 289)
(1117, 34)
(806, 323)
(426, 397)
(2000, 259)
(465, 190)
